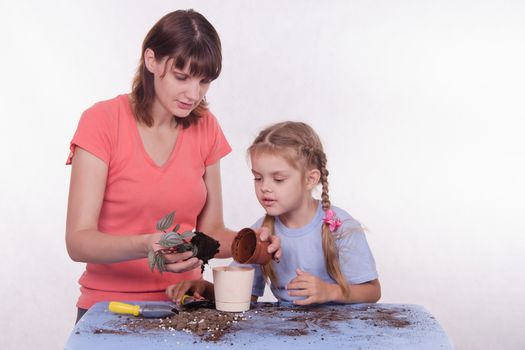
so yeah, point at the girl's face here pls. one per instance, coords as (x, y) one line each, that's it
(280, 188)
(177, 92)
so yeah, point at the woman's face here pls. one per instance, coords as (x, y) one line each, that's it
(177, 92)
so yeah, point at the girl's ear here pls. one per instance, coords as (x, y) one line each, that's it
(312, 178)
(150, 61)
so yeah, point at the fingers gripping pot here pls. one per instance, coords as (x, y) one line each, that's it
(247, 248)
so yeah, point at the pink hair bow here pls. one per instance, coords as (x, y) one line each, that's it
(332, 220)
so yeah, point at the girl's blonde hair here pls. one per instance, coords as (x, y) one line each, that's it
(301, 147)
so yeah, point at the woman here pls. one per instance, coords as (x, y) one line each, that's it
(140, 156)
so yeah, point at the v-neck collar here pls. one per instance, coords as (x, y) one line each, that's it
(138, 138)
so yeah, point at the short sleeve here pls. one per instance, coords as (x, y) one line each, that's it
(93, 134)
(217, 145)
(355, 257)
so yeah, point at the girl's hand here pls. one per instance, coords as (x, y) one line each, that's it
(310, 286)
(175, 262)
(199, 289)
(275, 242)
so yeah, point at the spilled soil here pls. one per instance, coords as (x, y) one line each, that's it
(210, 325)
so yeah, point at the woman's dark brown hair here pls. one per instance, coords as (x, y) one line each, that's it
(183, 36)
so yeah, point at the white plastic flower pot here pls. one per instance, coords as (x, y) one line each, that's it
(233, 288)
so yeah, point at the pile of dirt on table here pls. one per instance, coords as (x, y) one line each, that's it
(212, 325)
(208, 324)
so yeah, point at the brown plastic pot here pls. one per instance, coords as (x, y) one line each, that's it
(247, 248)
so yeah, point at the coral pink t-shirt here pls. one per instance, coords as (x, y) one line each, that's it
(139, 192)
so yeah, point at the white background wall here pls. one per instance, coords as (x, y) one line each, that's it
(420, 105)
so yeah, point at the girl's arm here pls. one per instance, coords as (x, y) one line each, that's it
(211, 222)
(317, 291)
(368, 292)
(83, 240)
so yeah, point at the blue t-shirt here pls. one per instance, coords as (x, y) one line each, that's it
(303, 248)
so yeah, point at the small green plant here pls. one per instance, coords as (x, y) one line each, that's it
(202, 246)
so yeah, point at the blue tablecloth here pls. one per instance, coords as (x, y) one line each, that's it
(266, 326)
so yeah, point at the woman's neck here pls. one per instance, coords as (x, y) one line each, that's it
(300, 216)
(161, 117)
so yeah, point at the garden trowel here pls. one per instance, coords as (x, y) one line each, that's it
(147, 310)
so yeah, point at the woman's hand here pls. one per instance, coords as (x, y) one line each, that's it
(175, 262)
(181, 262)
(199, 289)
(314, 289)
(275, 242)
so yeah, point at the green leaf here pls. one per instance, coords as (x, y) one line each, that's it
(160, 262)
(151, 260)
(187, 235)
(170, 239)
(170, 235)
(176, 229)
(172, 242)
(165, 222)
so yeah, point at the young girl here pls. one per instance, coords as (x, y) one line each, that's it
(325, 255)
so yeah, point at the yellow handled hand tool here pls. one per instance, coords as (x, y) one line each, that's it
(147, 310)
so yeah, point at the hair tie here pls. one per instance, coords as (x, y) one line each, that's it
(332, 220)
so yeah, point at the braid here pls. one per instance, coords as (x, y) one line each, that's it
(331, 253)
(325, 199)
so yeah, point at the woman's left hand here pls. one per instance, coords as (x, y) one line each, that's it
(275, 242)
(314, 289)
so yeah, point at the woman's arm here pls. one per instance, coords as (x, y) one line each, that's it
(83, 240)
(211, 220)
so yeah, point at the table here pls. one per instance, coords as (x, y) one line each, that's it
(266, 326)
